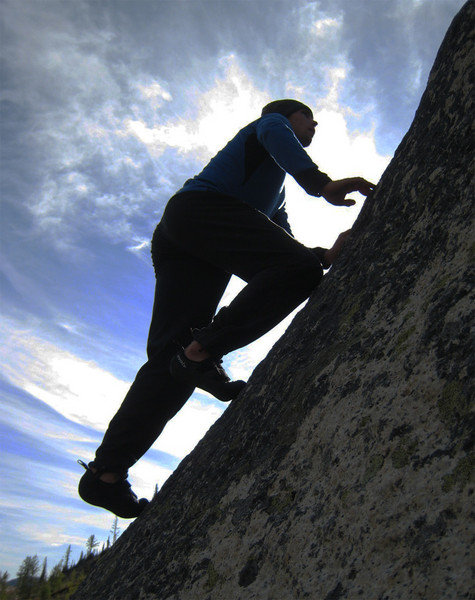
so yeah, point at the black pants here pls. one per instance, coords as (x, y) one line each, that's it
(202, 239)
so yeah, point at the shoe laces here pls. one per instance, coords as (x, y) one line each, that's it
(100, 470)
(218, 362)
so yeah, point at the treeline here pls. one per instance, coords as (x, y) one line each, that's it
(34, 583)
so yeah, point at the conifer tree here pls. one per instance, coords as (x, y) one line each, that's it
(66, 558)
(27, 577)
(91, 544)
(115, 530)
(56, 577)
(44, 570)
(45, 590)
(43, 583)
(3, 585)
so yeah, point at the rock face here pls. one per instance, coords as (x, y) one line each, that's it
(346, 468)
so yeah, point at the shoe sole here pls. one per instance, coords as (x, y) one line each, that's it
(87, 494)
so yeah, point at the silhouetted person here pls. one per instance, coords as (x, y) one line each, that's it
(229, 219)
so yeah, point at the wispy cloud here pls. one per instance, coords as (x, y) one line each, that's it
(230, 102)
(85, 394)
(78, 389)
(327, 26)
(186, 429)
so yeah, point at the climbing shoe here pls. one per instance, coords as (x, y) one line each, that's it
(208, 375)
(116, 497)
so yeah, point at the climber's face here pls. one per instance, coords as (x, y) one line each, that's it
(303, 125)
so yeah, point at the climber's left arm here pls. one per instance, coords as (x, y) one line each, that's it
(328, 256)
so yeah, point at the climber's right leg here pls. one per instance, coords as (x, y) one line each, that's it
(280, 272)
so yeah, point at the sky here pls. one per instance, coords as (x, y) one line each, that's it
(107, 107)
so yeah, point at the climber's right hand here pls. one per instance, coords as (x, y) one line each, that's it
(335, 192)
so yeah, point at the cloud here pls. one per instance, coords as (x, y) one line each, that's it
(47, 526)
(155, 93)
(390, 52)
(86, 394)
(47, 515)
(78, 389)
(343, 153)
(327, 26)
(187, 428)
(63, 86)
(232, 101)
(114, 138)
(103, 175)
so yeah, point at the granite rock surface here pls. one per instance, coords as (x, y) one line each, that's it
(346, 468)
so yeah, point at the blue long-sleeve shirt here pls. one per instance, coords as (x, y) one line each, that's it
(252, 166)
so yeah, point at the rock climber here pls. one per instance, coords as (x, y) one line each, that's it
(228, 220)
